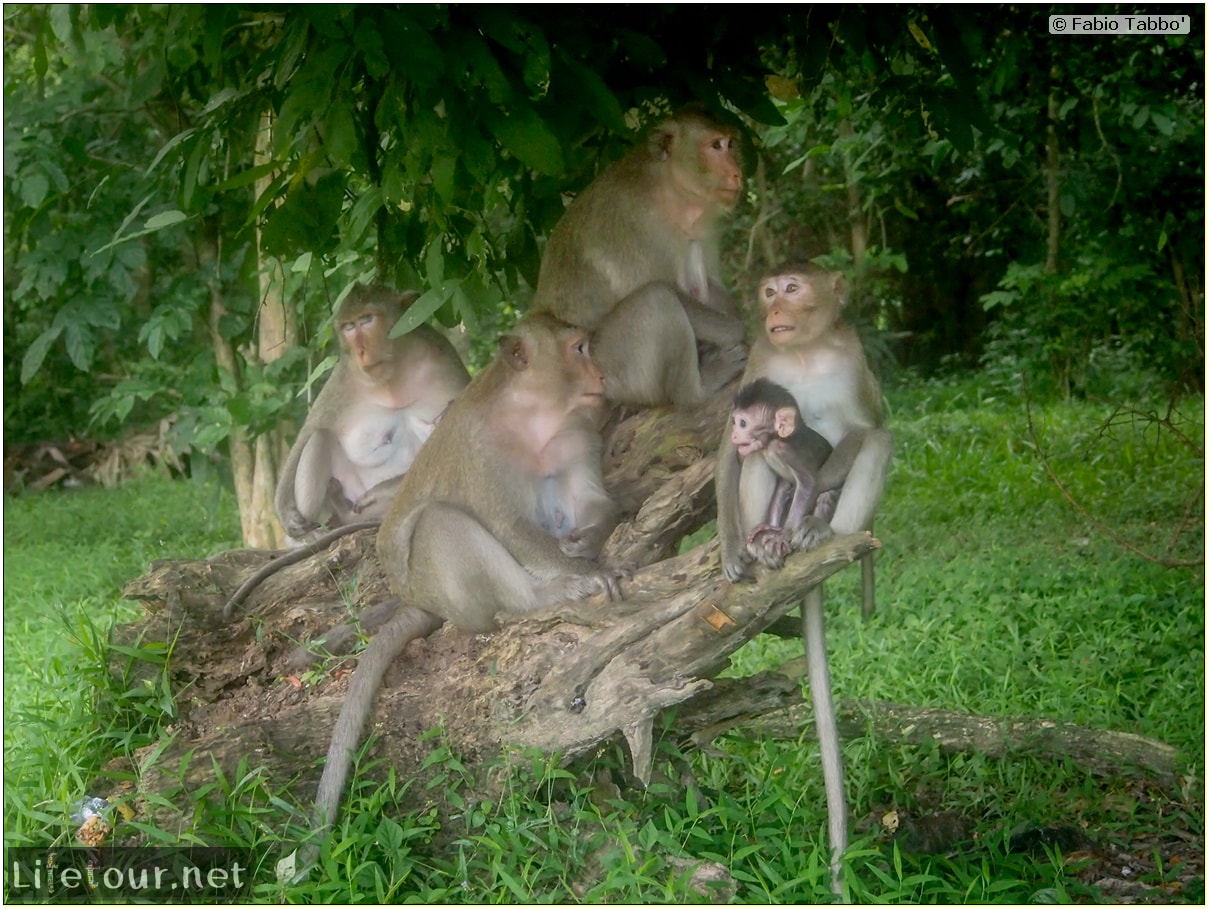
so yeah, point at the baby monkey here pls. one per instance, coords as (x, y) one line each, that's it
(766, 419)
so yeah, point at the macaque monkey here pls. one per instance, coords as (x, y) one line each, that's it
(634, 260)
(375, 411)
(766, 423)
(810, 350)
(378, 406)
(503, 510)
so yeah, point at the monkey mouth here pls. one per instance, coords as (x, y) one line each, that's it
(745, 448)
(776, 330)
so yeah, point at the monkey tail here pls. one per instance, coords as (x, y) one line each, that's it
(408, 624)
(294, 555)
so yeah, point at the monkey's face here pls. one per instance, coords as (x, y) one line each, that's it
(749, 430)
(701, 162)
(719, 167)
(798, 309)
(582, 373)
(365, 334)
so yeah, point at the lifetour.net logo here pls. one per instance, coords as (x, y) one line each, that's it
(76, 874)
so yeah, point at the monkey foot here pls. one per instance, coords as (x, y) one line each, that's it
(769, 546)
(811, 533)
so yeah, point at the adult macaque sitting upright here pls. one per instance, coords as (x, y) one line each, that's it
(504, 510)
(377, 408)
(811, 351)
(634, 260)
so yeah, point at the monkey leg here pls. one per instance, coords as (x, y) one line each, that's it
(757, 486)
(485, 578)
(859, 498)
(862, 490)
(647, 351)
(819, 675)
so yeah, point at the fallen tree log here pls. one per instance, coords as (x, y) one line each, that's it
(771, 705)
(567, 681)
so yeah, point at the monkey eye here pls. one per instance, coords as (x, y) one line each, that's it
(792, 287)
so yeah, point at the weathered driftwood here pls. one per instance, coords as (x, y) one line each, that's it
(568, 681)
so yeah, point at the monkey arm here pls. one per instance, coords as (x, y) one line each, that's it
(796, 474)
(300, 498)
(731, 537)
(835, 469)
(376, 501)
(712, 325)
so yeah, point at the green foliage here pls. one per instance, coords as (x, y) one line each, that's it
(348, 143)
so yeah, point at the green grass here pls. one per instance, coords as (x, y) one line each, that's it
(994, 597)
(67, 555)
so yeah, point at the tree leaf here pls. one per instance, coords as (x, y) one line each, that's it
(526, 136)
(36, 353)
(80, 345)
(422, 309)
(165, 219)
(34, 187)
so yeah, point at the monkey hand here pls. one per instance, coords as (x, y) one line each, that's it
(296, 526)
(811, 533)
(824, 506)
(583, 542)
(768, 546)
(611, 581)
(578, 586)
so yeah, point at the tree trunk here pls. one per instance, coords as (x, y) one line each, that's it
(277, 332)
(1053, 182)
(209, 257)
(858, 231)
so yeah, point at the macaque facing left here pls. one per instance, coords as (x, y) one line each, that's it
(766, 423)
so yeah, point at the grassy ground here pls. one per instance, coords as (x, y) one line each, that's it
(995, 597)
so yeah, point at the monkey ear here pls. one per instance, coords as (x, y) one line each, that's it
(785, 421)
(662, 139)
(406, 298)
(514, 351)
(839, 285)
